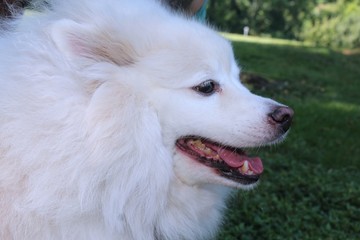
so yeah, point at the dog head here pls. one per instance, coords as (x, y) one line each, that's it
(188, 75)
(209, 117)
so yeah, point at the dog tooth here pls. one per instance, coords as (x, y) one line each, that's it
(250, 172)
(217, 157)
(208, 150)
(245, 167)
(198, 144)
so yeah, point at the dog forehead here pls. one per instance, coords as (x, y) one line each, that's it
(208, 49)
(192, 48)
(200, 42)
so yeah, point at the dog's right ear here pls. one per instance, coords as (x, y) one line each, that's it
(77, 40)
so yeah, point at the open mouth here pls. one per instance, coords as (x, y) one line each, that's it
(229, 162)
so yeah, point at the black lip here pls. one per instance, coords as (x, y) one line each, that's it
(222, 168)
(240, 178)
(226, 171)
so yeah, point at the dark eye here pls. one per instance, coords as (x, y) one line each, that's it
(207, 88)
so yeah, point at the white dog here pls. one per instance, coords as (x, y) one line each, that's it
(123, 120)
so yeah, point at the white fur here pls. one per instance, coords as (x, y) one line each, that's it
(93, 96)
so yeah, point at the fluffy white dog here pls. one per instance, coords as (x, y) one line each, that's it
(123, 120)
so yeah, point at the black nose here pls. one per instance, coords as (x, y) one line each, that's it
(282, 117)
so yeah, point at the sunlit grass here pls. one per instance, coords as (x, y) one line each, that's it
(262, 40)
(342, 106)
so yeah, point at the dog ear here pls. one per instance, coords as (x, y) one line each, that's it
(79, 40)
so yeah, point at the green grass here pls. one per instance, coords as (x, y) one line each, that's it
(310, 188)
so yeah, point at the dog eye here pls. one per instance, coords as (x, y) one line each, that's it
(207, 88)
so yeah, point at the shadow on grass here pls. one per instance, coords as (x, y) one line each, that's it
(310, 188)
(303, 71)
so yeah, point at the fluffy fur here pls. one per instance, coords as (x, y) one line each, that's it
(93, 96)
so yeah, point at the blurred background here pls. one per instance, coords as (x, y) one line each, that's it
(329, 23)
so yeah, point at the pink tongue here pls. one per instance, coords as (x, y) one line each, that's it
(237, 160)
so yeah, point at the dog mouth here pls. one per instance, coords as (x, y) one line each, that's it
(229, 162)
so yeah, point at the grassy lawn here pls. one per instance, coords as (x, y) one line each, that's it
(310, 188)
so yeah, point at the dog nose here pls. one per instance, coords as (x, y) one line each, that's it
(282, 116)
